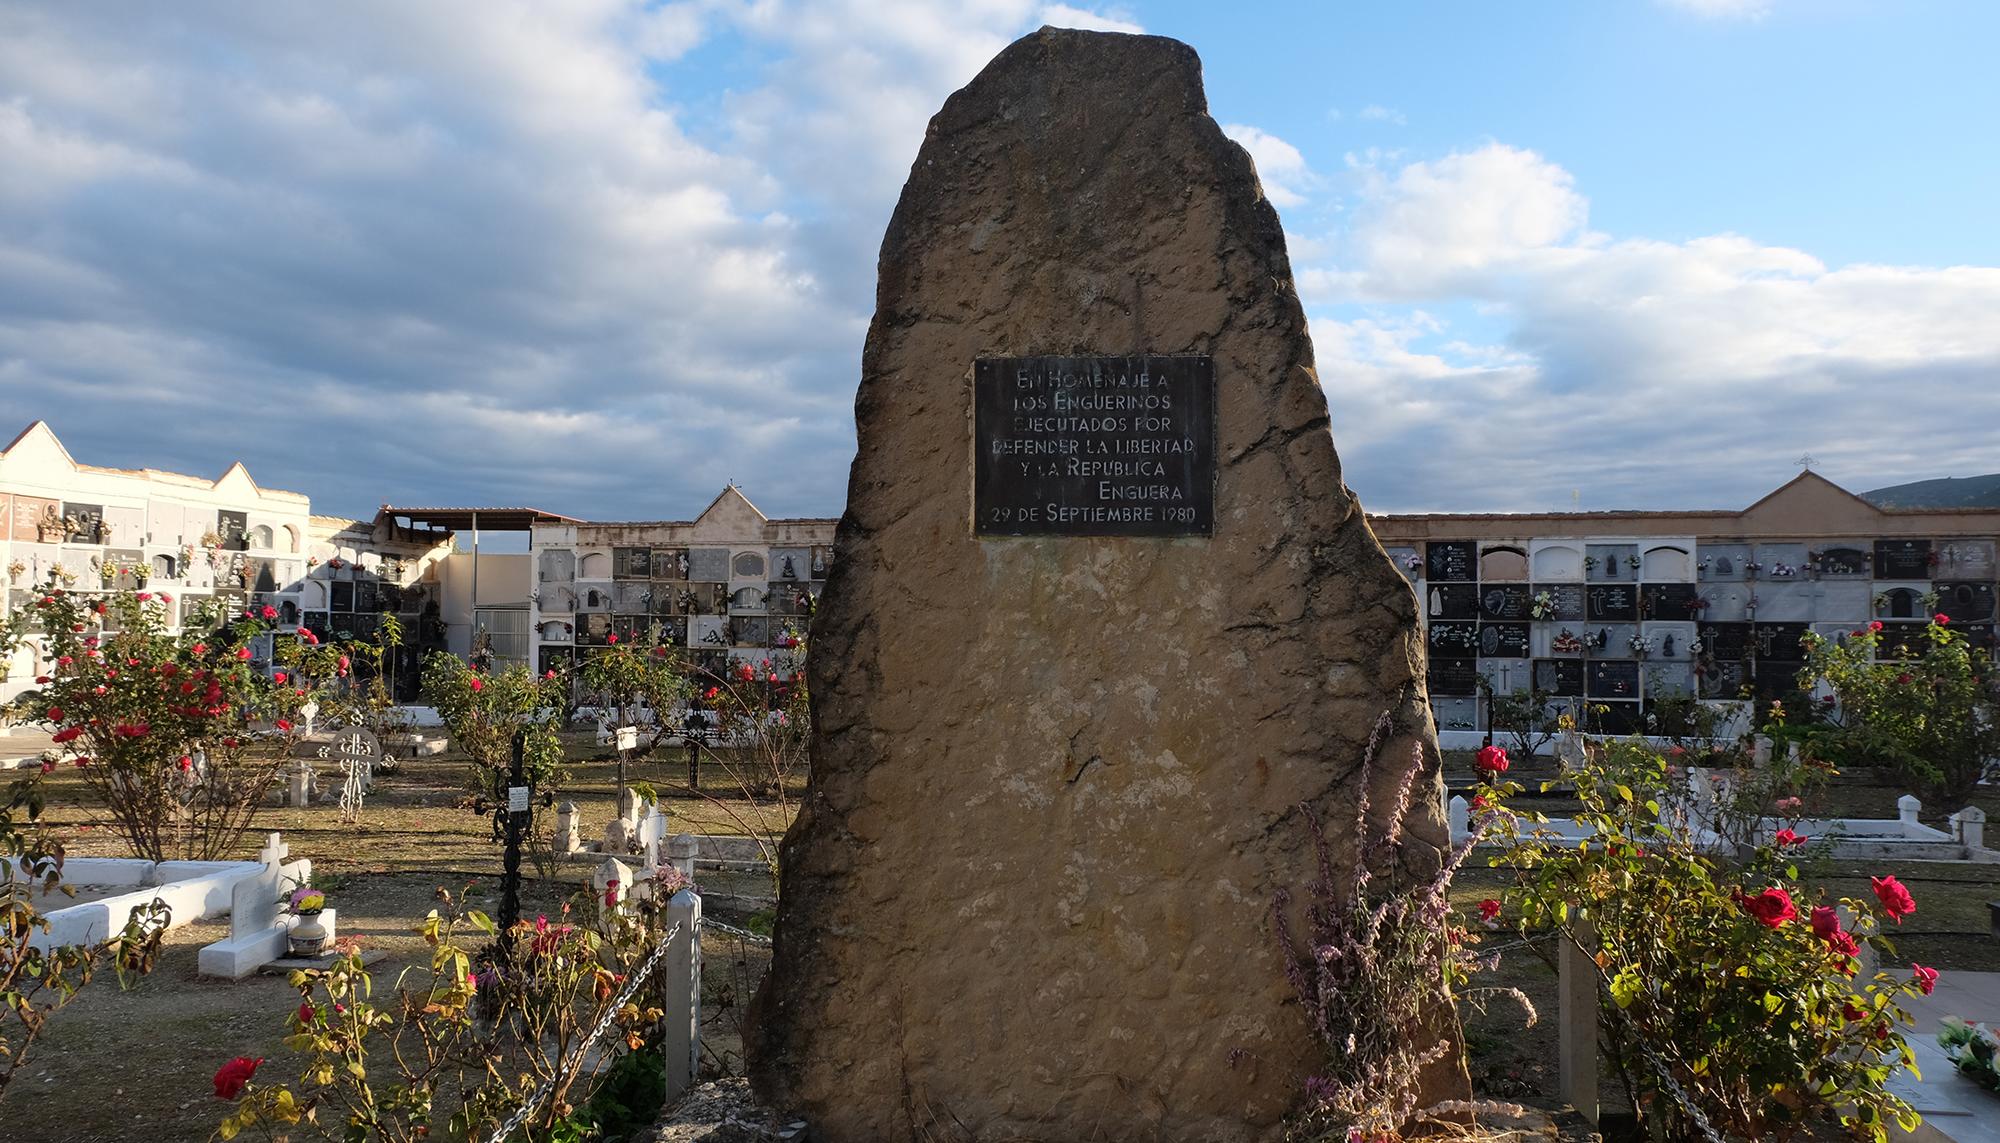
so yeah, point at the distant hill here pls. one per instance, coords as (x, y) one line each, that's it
(1946, 492)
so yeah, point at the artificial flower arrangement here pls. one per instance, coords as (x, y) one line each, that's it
(1544, 606)
(305, 901)
(1972, 1047)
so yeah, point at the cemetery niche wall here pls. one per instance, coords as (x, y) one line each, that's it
(1067, 714)
(1628, 611)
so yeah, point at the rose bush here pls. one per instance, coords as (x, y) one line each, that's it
(177, 734)
(1724, 1005)
(1931, 719)
(452, 1055)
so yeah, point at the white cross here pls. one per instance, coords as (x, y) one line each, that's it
(274, 851)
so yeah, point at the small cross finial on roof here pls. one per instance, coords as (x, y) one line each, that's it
(1806, 461)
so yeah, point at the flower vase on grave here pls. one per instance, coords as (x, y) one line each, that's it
(308, 938)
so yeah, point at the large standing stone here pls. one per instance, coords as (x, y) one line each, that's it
(1056, 780)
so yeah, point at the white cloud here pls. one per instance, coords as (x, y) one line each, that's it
(1671, 372)
(1375, 113)
(1723, 9)
(1280, 166)
(1065, 16)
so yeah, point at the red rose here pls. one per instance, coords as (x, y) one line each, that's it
(1489, 909)
(187, 763)
(1825, 921)
(1772, 908)
(1924, 978)
(1874, 625)
(1848, 1009)
(1941, 619)
(55, 714)
(270, 612)
(307, 1012)
(277, 676)
(475, 684)
(243, 653)
(200, 648)
(1903, 678)
(611, 639)
(1843, 943)
(67, 734)
(1491, 760)
(344, 663)
(1786, 839)
(1896, 900)
(232, 1077)
(550, 673)
(284, 724)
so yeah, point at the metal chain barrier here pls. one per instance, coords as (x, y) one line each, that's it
(575, 1056)
(732, 930)
(1661, 1068)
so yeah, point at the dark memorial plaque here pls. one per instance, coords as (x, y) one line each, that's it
(1509, 601)
(1565, 600)
(1617, 718)
(1454, 676)
(1560, 677)
(1503, 640)
(1454, 638)
(1612, 603)
(1965, 601)
(1902, 559)
(1845, 562)
(1780, 641)
(1450, 560)
(1093, 446)
(1613, 680)
(1725, 641)
(1451, 601)
(1667, 601)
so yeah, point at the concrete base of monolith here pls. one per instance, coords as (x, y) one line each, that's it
(1057, 779)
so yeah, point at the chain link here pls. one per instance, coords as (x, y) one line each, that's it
(732, 930)
(632, 982)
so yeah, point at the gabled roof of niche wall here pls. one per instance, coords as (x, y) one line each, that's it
(37, 445)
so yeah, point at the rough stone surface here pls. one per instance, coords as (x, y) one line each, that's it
(1057, 782)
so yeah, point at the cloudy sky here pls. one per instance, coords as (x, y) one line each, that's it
(601, 256)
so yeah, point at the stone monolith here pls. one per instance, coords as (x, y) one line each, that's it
(1103, 618)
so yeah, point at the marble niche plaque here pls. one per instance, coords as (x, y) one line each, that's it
(1407, 561)
(1727, 603)
(1669, 680)
(1611, 563)
(1605, 602)
(1721, 563)
(1503, 640)
(1450, 561)
(1503, 600)
(1560, 677)
(1454, 638)
(1779, 642)
(1780, 562)
(1784, 601)
(1902, 559)
(1611, 640)
(1844, 601)
(1724, 641)
(1670, 640)
(1565, 599)
(1844, 559)
(1966, 602)
(1667, 601)
(1451, 601)
(1454, 713)
(1507, 676)
(1454, 676)
(1966, 559)
(1610, 680)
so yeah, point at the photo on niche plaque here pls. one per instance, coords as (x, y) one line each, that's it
(1965, 602)
(1902, 559)
(1454, 638)
(1503, 640)
(1504, 601)
(1604, 603)
(1451, 601)
(670, 563)
(1722, 680)
(1450, 561)
(1454, 677)
(1560, 677)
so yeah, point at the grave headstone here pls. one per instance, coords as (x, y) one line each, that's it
(1902, 559)
(1030, 888)
(1450, 560)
